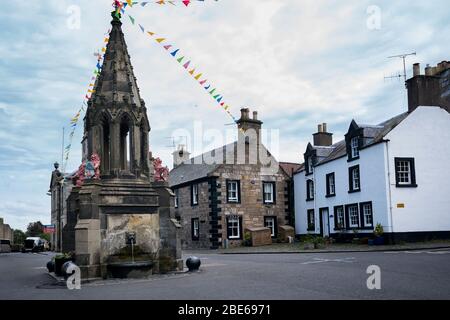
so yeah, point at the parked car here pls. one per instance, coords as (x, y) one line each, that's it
(33, 244)
(5, 245)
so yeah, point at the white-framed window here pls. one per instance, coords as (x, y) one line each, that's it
(404, 172)
(367, 214)
(233, 191)
(269, 192)
(310, 165)
(195, 229)
(354, 145)
(176, 198)
(340, 217)
(309, 189)
(355, 179)
(234, 227)
(269, 222)
(331, 185)
(353, 215)
(194, 195)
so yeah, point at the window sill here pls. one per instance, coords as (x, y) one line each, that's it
(308, 199)
(233, 201)
(310, 230)
(330, 195)
(269, 203)
(406, 185)
(354, 191)
(308, 174)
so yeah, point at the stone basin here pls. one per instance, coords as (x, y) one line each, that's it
(130, 270)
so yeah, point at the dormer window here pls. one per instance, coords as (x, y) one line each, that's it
(309, 165)
(354, 147)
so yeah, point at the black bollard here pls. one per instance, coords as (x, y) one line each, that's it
(51, 266)
(193, 264)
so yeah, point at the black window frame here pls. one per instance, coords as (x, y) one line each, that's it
(362, 222)
(193, 204)
(412, 167)
(309, 222)
(274, 186)
(336, 221)
(347, 216)
(309, 197)
(228, 181)
(240, 228)
(195, 238)
(350, 179)
(275, 225)
(327, 177)
(309, 161)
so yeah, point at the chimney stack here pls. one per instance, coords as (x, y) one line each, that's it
(255, 115)
(416, 69)
(180, 156)
(323, 138)
(426, 90)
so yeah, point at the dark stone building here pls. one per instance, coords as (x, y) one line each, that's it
(224, 193)
(124, 199)
(431, 88)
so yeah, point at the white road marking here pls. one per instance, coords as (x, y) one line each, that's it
(439, 252)
(319, 260)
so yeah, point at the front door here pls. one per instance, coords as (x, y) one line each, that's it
(324, 222)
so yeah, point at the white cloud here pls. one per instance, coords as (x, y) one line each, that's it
(298, 63)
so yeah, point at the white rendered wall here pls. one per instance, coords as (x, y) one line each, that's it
(425, 136)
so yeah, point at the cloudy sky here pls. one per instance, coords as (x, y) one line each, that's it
(299, 63)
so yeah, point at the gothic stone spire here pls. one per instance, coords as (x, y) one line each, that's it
(116, 123)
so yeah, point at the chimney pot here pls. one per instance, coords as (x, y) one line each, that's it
(428, 70)
(324, 127)
(416, 69)
(320, 128)
(255, 115)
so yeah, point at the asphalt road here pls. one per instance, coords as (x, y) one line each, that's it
(404, 275)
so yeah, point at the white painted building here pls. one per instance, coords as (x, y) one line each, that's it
(396, 174)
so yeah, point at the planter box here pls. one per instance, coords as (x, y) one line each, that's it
(378, 241)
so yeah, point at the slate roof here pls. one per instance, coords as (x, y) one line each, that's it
(372, 135)
(289, 168)
(199, 168)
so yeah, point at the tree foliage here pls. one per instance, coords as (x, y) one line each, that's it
(35, 229)
(19, 237)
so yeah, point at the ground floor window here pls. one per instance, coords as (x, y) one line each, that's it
(353, 216)
(339, 218)
(234, 227)
(367, 214)
(195, 229)
(311, 220)
(271, 223)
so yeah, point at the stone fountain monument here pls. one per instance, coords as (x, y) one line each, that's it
(115, 192)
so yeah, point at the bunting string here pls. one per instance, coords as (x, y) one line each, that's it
(161, 2)
(75, 119)
(187, 64)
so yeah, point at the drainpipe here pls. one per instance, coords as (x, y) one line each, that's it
(389, 186)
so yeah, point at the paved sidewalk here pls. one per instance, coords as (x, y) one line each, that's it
(333, 248)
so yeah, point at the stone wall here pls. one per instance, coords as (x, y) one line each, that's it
(187, 212)
(251, 207)
(213, 207)
(6, 233)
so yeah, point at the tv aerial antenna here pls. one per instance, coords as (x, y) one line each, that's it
(403, 57)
